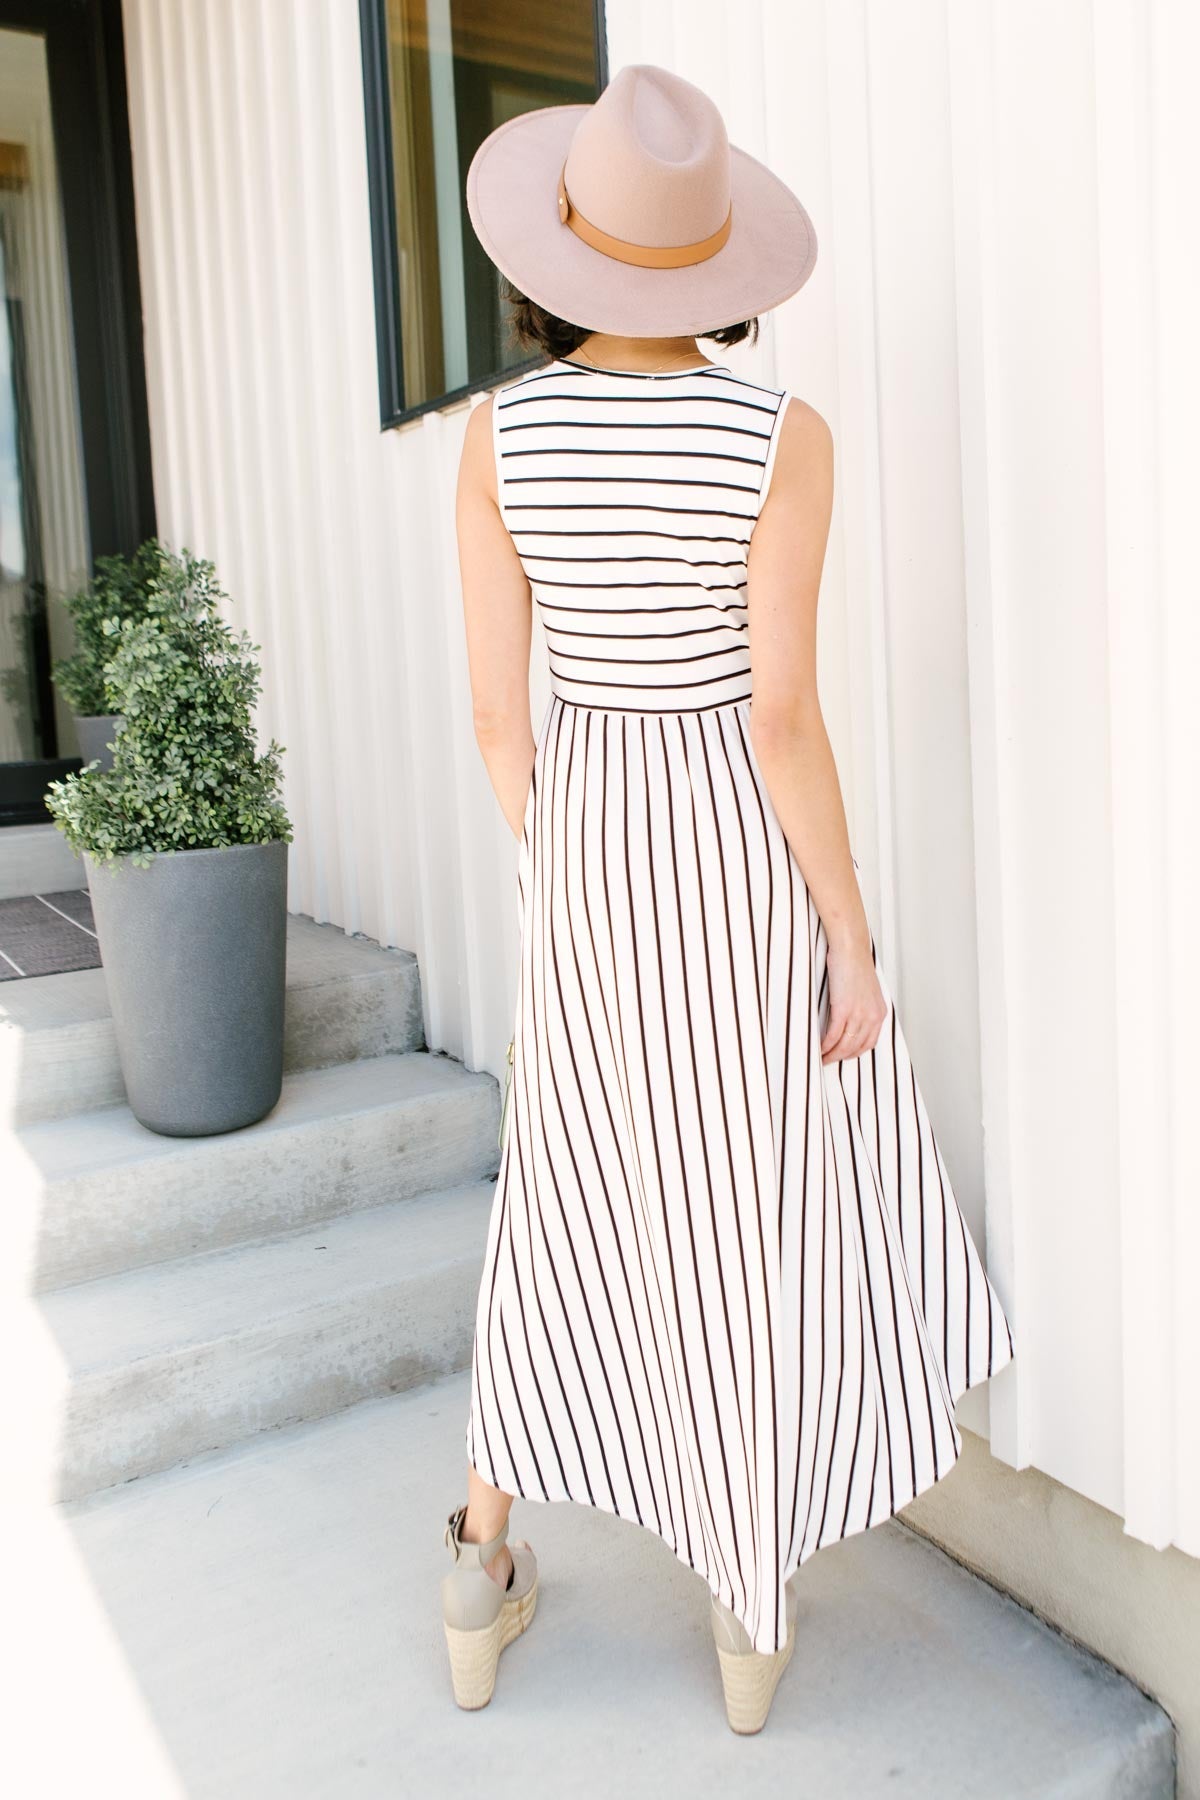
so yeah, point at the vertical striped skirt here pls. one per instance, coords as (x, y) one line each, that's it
(727, 1292)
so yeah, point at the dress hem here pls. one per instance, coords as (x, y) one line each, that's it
(890, 1512)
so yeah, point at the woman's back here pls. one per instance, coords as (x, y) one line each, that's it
(728, 1293)
(695, 1222)
(631, 499)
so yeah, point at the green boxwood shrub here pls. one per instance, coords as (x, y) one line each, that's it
(187, 773)
(120, 589)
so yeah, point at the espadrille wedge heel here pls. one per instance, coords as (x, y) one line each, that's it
(749, 1676)
(479, 1616)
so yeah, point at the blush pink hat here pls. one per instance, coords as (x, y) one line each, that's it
(636, 215)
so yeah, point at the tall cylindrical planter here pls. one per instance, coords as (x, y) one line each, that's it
(194, 952)
(97, 733)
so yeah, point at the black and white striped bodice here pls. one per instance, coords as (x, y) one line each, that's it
(631, 499)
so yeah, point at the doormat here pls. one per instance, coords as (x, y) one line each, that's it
(47, 934)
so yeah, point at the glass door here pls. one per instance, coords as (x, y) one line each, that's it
(44, 549)
(74, 458)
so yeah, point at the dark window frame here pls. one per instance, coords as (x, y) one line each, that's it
(384, 249)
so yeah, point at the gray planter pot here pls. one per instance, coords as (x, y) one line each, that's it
(194, 956)
(96, 734)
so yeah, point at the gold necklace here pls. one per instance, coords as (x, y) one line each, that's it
(580, 351)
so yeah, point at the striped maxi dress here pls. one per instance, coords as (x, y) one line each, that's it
(727, 1292)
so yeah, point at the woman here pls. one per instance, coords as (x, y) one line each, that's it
(728, 1292)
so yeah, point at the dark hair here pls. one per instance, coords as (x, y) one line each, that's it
(536, 329)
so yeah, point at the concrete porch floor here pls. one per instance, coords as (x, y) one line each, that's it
(264, 1623)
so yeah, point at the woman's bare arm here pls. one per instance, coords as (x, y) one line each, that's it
(787, 730)
(498, 611)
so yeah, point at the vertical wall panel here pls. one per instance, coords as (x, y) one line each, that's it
(999, 331)
(990, 654)
(1173, 59)
(1150, 271)
(1043, 436)
(1137, 728)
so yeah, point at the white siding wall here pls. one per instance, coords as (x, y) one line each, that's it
(999, 332)
(335, 541)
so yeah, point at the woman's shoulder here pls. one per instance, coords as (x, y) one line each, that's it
(476, 466)
(763, 392)
(479, 425)
(803, 427)
(483, 419)
(799, 421)
(801, 465)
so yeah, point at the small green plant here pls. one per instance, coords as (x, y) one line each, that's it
(186, 774)
(120, 590)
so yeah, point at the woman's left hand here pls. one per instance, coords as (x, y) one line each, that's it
(857, 1008)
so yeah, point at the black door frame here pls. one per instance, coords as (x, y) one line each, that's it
(85, 55)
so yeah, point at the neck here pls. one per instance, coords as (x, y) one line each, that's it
(640, 354)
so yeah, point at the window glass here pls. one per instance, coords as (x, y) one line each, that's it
(44, 548)
(455, 70)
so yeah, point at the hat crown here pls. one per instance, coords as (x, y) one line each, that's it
(649, 160)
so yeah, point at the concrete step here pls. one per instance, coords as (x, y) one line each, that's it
(267, 1622)
(141, 1371)
(346, 998)
(37, 859)
(98, 1194)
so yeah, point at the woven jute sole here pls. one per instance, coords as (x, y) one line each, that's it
(475, 1654)
(750, 1679)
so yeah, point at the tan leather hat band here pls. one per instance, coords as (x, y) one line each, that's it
(645, 256)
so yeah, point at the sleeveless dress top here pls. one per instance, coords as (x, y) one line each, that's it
(727, 1292)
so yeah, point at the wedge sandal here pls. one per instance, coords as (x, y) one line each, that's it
(480, 1617)
(749, 1677)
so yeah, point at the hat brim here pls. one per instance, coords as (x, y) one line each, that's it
(512, 199)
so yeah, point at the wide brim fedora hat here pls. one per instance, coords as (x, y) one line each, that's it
(635, 215)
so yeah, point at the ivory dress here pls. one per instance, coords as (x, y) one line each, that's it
(728, 1293)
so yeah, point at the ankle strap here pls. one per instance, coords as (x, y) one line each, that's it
(454, 1540)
